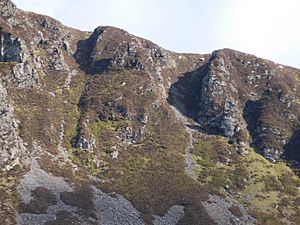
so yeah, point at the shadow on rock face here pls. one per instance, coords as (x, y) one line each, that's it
(203, 129)
(292, 152)
(84, 52)
(252, 114)
(185, 94)
(10, 48)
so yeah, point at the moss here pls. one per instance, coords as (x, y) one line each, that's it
(40, 52)
(271, 183)
(289, 184)
(113, 124)
(9, 196)
(7, 64)
(150, 174)
(96, 128)
(265, 186)
(87, 160)
(204, 154)
(209, 153)
(258, 184)
(73, 117)
(266, 218)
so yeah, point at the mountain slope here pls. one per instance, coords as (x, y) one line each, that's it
(105, 127)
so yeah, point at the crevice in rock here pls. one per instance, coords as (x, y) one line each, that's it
(185, 94)
(10, 48)
(251, 114)
(83, 54)
(292, 152)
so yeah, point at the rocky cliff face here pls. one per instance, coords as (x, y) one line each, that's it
(242, 94)
(105, 127)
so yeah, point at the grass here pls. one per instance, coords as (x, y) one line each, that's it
(271, 188)
(8, 63)
(40, 52)
(208, 153)
(90, 161)
(268, 187)
(9, 196)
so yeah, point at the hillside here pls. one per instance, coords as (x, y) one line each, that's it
(108, 128)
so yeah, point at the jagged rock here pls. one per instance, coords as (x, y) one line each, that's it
(144, 119)
(10, 48)
(11, 145)
(14, 50)
(57, 59)
(226, 104)
(220, 109)
(25, 74)
(114, 155)
(127, 135)
(7, 8)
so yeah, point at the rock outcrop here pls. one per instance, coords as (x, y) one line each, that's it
(238, 95)
(8, 8)
(11, 144)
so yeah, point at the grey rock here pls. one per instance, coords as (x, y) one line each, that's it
(7, 8)
(218, 209)
(35, 178)
(57, 58)
(11, 144)
(144, 119)
(220, 110)
(115, 210)
(127, 135)
(10, 48)
(172, 217)
(25, 74)
(15, 50)
(83, 143)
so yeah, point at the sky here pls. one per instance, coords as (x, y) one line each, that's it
(266, 28)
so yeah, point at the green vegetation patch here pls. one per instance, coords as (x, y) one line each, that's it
(268, 190)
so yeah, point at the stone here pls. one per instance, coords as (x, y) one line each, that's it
(11, 144)
(10, 48)
(115, 154)
(25, 74)
(14, 50)
(144, 119)
(83, 143)
(172, 217)
(7, 8)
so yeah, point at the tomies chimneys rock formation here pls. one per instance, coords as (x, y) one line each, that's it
(108, 128)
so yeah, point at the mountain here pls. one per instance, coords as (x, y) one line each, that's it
(108, 128)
